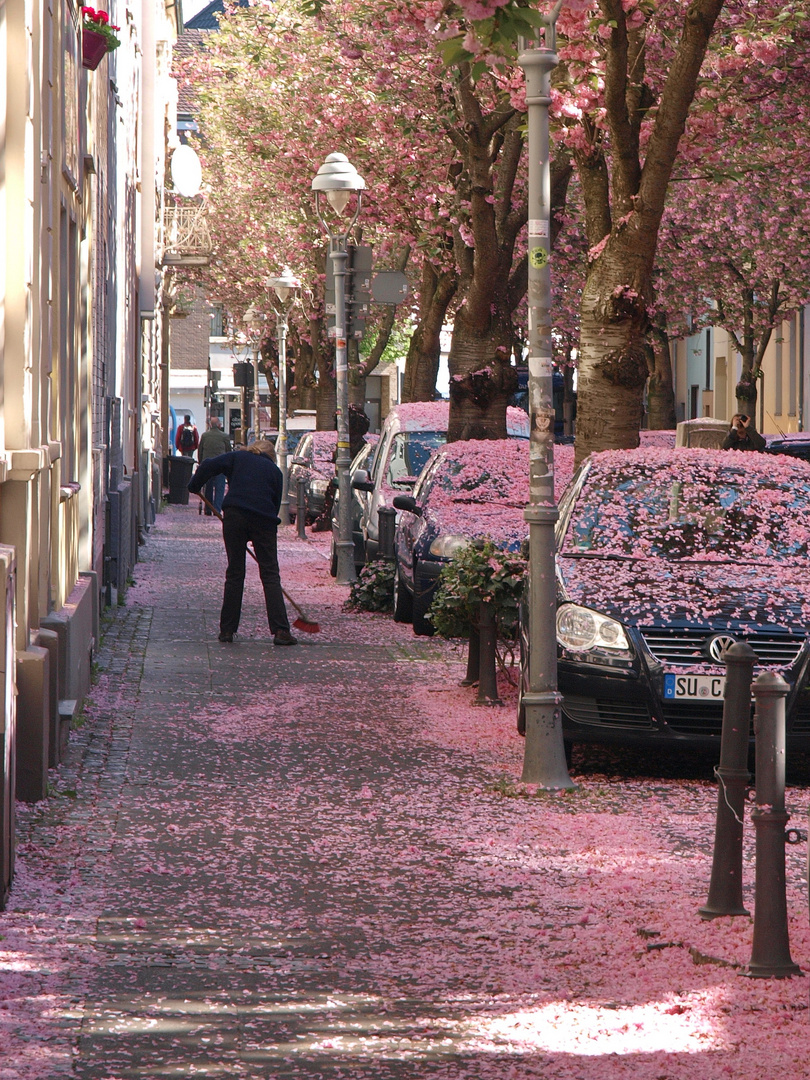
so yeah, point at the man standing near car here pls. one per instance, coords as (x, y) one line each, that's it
(250, 515)
(741, 436)
(213, 443)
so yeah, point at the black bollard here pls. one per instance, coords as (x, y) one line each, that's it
(473, 659)
(725, 889)
(386, 524)
(770, 952)
(487, 676)
(301, 507)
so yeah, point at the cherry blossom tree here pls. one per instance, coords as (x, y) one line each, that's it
(735, 243)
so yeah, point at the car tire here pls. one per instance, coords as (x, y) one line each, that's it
(423, 592)
(403, 601)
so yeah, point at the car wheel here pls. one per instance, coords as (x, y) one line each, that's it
(403, 601)
(422, 598)
(333, 559)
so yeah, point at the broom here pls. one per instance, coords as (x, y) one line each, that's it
(303, 622)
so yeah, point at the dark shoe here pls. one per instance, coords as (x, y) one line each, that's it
(284, 637)
(225, 637)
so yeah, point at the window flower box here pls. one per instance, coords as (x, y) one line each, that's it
(98, 37)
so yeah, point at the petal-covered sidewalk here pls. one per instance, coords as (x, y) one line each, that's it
(318, 862)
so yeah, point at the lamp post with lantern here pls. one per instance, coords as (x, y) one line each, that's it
(544, 757)
(286, 288)
(338, 180)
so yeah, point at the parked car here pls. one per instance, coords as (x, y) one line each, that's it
(794, 445)
(314, 462)
(665, 558)
(362, 460)
(410, 433)
(467, 491)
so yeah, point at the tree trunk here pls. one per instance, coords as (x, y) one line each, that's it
(437, 290)
(613, 358)
(301, 378)
(482, 378)
(569, 401)
(357, 377)
(622, 217)
(660, 388)
(326, 394)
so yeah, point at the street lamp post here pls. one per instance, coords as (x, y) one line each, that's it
(286, 289)
(338, 180)
(252, 320)
(544, 756)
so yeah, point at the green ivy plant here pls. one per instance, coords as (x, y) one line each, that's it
(374, 588)
(479, 572)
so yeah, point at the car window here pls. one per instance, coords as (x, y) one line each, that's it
(485, 482)
(713, 514)
(362, 456)
(425, 482)
(304, 449)
(380, 454)
(410, 451)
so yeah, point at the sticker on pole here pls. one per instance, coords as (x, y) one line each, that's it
(540, 366)
(538, 258)
(538, 227)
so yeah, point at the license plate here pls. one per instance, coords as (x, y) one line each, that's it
(694, 687)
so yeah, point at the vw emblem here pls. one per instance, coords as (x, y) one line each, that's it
(718, 645)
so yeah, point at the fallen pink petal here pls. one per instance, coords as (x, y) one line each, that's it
(323, 864)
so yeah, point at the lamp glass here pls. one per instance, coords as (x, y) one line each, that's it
(282, 292)
(339, 200)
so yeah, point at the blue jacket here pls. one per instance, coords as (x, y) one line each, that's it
(254, 481)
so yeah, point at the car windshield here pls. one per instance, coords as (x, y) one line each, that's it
(483, 482)
(700, 513)
(410, 451)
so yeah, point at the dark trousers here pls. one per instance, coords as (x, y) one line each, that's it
(239, 527)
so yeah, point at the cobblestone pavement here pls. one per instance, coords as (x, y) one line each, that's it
(221, 834)
(257, 862)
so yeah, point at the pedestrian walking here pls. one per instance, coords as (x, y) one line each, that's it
(250, 515)
(187, 438)
(213, 443)
(741, 436)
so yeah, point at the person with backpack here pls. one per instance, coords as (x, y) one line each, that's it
(187, 439)
(213, 443)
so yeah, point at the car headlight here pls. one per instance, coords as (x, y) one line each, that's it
(581, 630)
(318, 487)
(445, 547)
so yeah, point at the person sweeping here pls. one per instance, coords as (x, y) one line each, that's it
(250, 515)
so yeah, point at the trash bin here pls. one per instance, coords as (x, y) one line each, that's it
(180, 470)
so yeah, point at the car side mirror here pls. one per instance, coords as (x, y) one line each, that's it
(362, 481)
(407, 502)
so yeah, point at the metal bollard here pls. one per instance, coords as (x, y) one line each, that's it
(487, 637)
(386, 524)
(301, 507)
(473, 659)
(733, 777)
(770, 952)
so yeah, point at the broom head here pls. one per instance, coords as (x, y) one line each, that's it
(306, 626)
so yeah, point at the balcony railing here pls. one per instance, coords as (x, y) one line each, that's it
(187, 238)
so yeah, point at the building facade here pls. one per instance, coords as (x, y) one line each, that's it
(81, 178)
(706, 369)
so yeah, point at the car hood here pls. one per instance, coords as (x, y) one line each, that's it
(645, 592)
